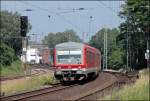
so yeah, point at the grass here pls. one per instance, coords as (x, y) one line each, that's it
(27, 84)
(137, 91)
(12, 70)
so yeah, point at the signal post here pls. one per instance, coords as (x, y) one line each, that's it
(23, 32)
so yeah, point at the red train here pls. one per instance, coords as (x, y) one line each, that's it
(76, 61)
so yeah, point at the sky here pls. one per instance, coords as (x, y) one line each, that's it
(57, 16)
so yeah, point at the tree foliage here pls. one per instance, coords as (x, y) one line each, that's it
(136, 28)
(10, 30)
(113, 49)
(55, 38)
(7, 55)
(10, 39)
(116, 59)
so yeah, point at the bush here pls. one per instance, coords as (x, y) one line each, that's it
(138, 91)
(7, 55)
(115, 60)
(13, 69)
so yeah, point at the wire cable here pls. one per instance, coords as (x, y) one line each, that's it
(55, 13)
(103, 4)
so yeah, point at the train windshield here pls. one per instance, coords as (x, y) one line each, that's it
(69, 57)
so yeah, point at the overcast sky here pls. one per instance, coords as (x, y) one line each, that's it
(62, 16)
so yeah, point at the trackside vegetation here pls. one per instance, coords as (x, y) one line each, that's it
(27, 84)
(138, 91)
(12, 70)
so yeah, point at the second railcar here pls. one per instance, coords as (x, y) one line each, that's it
(76, 61)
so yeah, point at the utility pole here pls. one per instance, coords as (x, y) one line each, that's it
(147, 34)
(105, 50)
(127, 39)
(147, 53)
(106, 47)
(26, 41)
(68, 37)
(24, 54)
(23, 32)
(130, 57)
(83, 34)
(90, 26)
(104, 53)
(127, 49)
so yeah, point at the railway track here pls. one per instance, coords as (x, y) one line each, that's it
(36, 72)
(87, 96)
(25, 95)
(77, 91)
(43, 66)
(121, 80)
(64, 92)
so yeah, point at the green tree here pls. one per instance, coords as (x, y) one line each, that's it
(7, 55)
(116, 59)
(10, 30)
(10, 39)
(136, 27)
(97, 41)
(55, 38)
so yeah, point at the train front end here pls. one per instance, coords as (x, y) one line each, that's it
(69, 61)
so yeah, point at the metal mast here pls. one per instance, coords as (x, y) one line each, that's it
(106, 47)
(105, 50)
(104, 53)
(90, 27)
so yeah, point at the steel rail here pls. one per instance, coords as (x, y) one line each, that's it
(34, 93)
(115, 83)
(94, 92)
(53, 89)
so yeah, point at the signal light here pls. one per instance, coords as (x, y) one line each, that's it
(23, 25)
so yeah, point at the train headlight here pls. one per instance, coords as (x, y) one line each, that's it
(79, 72)
(58, 72)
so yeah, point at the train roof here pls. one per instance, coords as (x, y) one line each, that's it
(69, 45)
(72, 45)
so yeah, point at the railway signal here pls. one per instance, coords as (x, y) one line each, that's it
(23, 25)
(23, 32)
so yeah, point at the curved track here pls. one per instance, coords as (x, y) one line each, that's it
(65, 92)
(76, 91)
(122, 79)
(39, 92)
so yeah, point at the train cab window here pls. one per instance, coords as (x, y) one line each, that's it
(69, 57)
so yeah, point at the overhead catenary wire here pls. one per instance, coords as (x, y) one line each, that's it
(55, 13)
(105, 35)
(111, 9)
